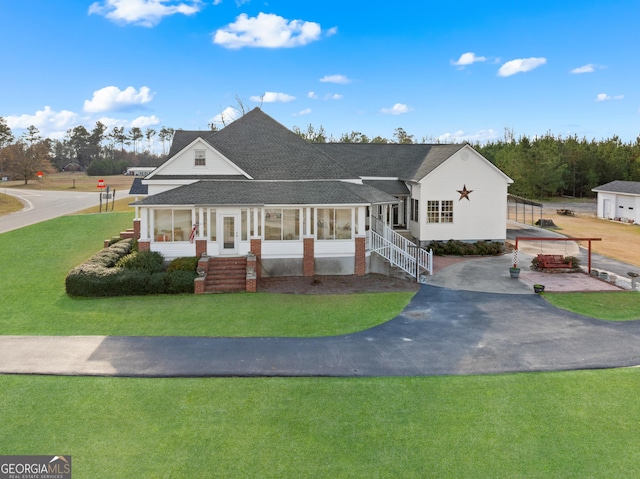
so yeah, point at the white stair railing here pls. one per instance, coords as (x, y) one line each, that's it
(398, 250)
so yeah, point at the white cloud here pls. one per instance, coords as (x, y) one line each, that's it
(520, 65)
(460, 136)
(111, 98)
(605, 97)
(306, 111)
(397, 109)
(312, 94)
(468, 59)
(145, 121)
(332, 31)
(590, 68)
(340, 79)
(51, 123)
(333, 96)
(228, 115)
(146, 13)
(267, 30)
(272, 97)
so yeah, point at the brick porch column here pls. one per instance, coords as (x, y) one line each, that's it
(256, 249)
(144, 245)
(252, 276)
(136, 229)
(308, 256)
(199, 283)
(201, 247)
(360, 267)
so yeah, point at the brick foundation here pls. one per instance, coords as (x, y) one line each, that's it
(144, 245)
(309, 260)
(136, 229)
(198, 286)
(256, 249)
(360, 267)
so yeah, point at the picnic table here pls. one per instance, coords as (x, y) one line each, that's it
(566, 212)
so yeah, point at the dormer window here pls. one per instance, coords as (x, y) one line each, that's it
(200, 158)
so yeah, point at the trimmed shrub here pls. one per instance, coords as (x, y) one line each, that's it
(186, 263)
(180, 282)
(117, 271)
(149, 261)
(575, 262)
(460, 248)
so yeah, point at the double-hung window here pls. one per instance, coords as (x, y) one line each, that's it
(440, 211)
(200, 158)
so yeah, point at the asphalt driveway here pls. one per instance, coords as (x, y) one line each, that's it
(441, 332)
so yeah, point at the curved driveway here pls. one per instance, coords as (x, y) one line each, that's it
(42, 205)
(442, 331)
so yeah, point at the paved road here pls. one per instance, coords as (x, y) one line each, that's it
(441, 332)
(42, 205)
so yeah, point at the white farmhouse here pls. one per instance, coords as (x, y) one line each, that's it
(256, 188)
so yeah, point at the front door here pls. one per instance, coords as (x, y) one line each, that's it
(229, 234)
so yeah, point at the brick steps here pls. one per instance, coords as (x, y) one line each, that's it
(226, 275)
(129, 233)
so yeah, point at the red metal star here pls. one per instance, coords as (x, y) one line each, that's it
(464, 193)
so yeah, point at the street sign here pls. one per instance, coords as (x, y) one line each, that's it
(40, 174)
(101, 184)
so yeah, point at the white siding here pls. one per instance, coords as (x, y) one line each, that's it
(184, 162)
(334, 248)
(282, 249)
(481, 217)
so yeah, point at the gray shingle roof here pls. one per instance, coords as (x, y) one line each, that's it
(258, 193)
(407, 162)
(619, 186)
(182, 138)
(137, 188)
(267, 150)
(392, 187)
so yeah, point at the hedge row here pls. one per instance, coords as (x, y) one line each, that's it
(459, 248)
(119, 271)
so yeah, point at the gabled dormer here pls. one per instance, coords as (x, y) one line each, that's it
(198, 160)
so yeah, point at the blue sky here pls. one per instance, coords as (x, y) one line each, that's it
(452, 71)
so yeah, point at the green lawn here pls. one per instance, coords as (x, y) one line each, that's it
(561, 425)
(611, 306)
(540, 425)
(36, 259)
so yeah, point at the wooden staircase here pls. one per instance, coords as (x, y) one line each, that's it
(226, 275)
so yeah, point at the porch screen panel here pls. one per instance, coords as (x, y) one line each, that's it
(181, 225)
(244, 226)
(291, 224)
(162, 220)
(324, 223)
(343, 223)
(213, 223)
(273, 224)
(334, 223)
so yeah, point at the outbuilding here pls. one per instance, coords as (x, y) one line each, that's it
(620, 201)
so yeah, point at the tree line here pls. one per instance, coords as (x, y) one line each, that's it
(98, 152)
(541, 166)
